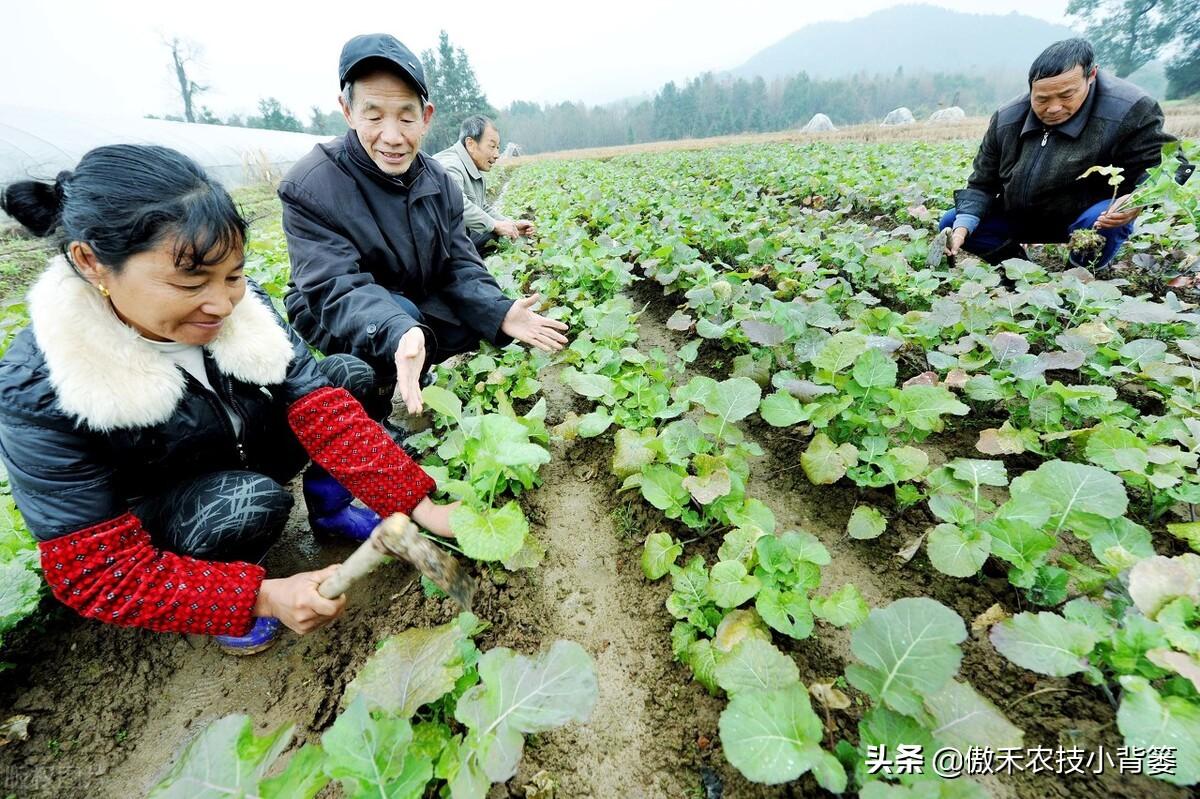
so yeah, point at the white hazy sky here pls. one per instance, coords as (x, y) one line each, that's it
(86, 56)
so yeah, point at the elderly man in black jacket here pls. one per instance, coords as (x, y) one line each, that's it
(382, 266)
(1026, 186)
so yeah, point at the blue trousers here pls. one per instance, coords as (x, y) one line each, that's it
(997, 238)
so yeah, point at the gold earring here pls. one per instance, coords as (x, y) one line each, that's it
(103, 291)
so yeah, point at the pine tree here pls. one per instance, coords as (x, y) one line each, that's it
(454, 91)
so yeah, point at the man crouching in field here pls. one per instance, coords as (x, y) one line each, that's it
(476, 152)
(1025, 185)
(381, 264)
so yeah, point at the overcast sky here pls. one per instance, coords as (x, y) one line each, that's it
(84, 55)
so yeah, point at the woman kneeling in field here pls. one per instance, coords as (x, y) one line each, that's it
(156, 407)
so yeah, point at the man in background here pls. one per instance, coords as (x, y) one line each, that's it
(1026, 183)
(476, 152)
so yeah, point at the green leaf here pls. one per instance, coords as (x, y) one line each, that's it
(785, 611)
(594, 423)
(824, 463)
(874, 369)
(922, 407)
(20, 592)
(225, 759)
(592, 386)
(755, 665)
(979, 472)
(773, 737)
(958, 552)
(1045, 642)
(781, 409)
(865, 523)
(739, 544)
(663, 488)
(442, 401)
(1150, 720)
(491, 534)
(369, 753)
(1117, 450)
(729, 584)
(909, 650)
(689, 592)
(1071, 489)
(840, 352)
(302, 778)
(1019, 543)
(1122, 544)
(412, 668)
(843, 608)
(734, 399)
(517, 695)
(701, 658)
(908, 463)
(633, 450)
(659, 555)
(964, 719)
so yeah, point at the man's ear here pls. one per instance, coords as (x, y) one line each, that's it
(1092, 75)
(428, 117)
(345, 111)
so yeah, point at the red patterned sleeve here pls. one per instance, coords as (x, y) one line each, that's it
(112, 572)
(338, 435)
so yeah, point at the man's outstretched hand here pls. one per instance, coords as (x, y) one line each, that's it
(410, 359)
(526, 325)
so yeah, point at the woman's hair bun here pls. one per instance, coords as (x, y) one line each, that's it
(36, 205)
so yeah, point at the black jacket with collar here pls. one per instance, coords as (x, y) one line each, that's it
(357, 235)
(1031, 171)
(92, 418)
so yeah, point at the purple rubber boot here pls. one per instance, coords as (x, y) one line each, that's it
(262, 636)
(329, 509)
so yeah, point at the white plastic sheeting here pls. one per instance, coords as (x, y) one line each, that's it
(819, 122)
(951, 114)
(899, 116)
(37, 144)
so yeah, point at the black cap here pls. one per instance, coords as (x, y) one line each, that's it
(383, 46)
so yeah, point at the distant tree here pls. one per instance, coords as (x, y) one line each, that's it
(1128, 34)
(184, 55)
(207, 117)
(454, 91)
(1183, 76)
(273, 116)
(330, 123)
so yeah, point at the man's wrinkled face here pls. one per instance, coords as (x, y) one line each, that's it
(486, 150)
(389, 118)
(1057, 98)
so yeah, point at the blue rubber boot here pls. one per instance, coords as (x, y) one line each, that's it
(262, 636)
(329, 509)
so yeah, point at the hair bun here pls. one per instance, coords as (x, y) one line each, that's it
(36, 205)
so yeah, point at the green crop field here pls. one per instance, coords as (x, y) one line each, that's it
(809, 495)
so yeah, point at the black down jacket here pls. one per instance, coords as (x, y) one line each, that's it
(357, 235)
(92, 419)
(1031, 171)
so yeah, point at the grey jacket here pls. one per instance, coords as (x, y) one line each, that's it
(1030, 171)
(478, 215)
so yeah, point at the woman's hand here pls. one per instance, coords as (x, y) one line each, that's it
(435, 518)
(295, 602)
